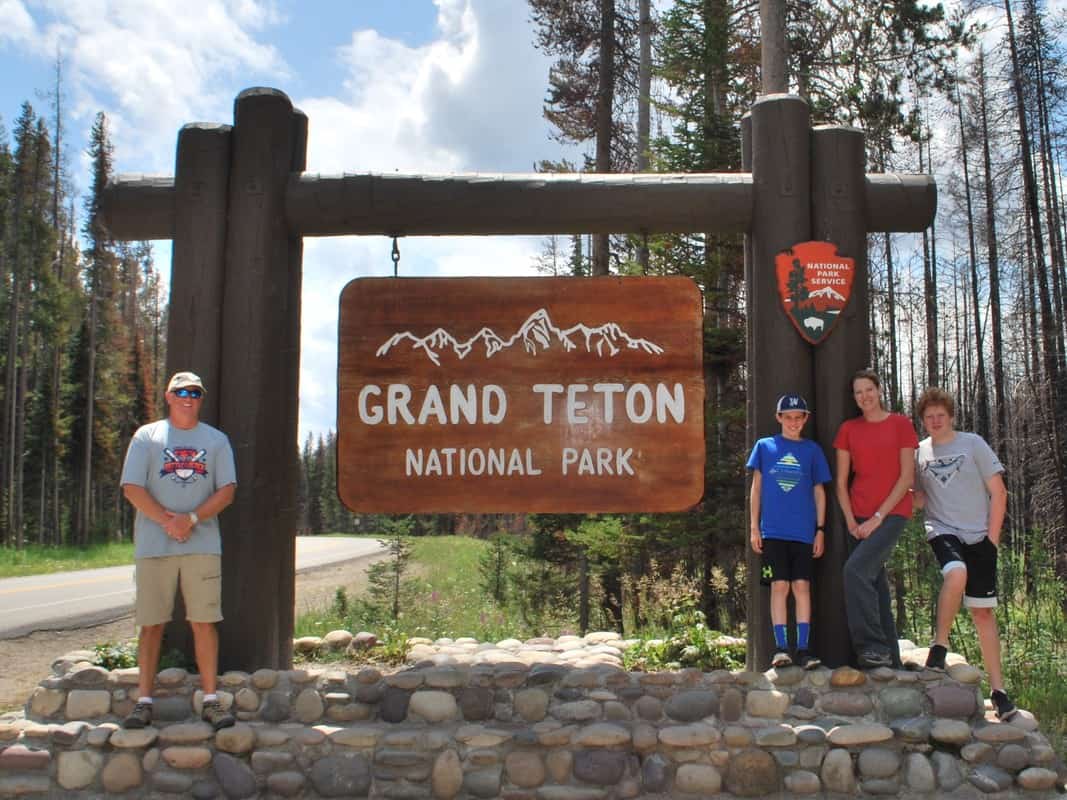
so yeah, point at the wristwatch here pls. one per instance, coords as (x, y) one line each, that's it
(194, 518)
(877, 514)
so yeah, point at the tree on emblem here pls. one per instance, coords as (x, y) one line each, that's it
(798, 289)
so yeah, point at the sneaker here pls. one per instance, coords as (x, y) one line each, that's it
(936, 658)
(140, 717)
(1003, 706)
(216, 715)
(872, 659)
(781, 659)
(805, 660)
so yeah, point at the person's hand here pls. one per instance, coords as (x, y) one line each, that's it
(853, 529)
(178, 526)
(819, 546)
(868, 527)
(756, 540)
(995, 539)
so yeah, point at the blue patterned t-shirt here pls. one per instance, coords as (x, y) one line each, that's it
(789, 470)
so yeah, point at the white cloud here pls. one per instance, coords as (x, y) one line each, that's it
(18, 25)
(154, 65)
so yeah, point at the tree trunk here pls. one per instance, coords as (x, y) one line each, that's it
(604, 101)
(981, 397)
(644, 106)
(930, 295)
(992, 254)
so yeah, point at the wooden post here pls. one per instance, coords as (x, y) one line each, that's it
(774, 48)
(780, 361)
(260, 363)
(201, 182)
(194, 320)
(839, 215)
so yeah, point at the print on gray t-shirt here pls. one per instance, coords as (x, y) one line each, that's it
(953, 476)
(180, 469)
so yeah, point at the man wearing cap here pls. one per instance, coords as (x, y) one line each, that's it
(179, 475)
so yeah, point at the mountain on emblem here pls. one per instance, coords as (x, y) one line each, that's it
(814, 284)
(536, 334)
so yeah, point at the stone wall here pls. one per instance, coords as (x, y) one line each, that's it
(505, 723)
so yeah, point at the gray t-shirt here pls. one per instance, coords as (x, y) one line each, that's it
(180, 469)
(953, 477)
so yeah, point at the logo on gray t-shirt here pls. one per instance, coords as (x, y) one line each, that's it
(953, 476)
(180, 468)
(184, 464)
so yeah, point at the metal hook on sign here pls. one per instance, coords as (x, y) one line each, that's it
(396, 256)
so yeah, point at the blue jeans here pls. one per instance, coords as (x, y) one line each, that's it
(867, 601)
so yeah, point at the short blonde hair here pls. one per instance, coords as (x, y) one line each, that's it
(935, 397)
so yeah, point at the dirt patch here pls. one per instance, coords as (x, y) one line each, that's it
(28, 659)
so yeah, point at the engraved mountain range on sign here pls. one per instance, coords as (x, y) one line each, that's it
(536, 334)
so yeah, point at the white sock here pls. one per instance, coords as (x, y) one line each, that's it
(145, 700)
(211, 698)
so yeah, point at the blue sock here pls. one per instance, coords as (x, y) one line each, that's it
(780, 637)
(803, 628)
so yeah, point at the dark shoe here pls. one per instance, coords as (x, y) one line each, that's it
(805, 660)
(1003, 706)
(781, 659)
(216, 715)
(936, 658)
(140, 717)
(872, 659)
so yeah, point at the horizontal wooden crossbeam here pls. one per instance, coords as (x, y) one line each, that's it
(137, 207)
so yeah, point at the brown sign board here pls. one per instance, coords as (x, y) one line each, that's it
(520, 395)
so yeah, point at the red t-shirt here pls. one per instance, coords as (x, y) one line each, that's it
(874, 448)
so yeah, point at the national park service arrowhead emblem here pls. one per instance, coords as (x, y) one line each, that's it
(814, 283)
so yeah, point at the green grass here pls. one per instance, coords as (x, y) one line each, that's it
(441, 596)
(38, 560)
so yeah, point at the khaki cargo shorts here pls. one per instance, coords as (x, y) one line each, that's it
(157, 579)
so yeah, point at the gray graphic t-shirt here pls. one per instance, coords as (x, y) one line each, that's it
(954, 476)
(180, 469)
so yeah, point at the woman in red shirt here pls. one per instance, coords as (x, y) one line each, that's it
(877, 451)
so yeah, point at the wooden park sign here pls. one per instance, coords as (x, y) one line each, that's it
(814, 284)
(528, 394)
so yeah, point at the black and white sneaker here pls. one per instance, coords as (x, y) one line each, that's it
(781, 659)
(935, 659)
(1002, 705)
(807, 660)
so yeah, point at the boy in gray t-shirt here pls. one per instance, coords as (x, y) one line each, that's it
(958, 481)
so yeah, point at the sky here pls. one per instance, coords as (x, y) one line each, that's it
(388, 86)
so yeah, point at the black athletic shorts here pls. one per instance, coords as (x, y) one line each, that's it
(784, 560)
(980, 561)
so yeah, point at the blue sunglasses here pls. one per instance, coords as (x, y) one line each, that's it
(196, 394)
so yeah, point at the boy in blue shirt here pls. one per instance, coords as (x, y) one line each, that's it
(788, 509)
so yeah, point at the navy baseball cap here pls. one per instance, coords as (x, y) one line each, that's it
(792, 402)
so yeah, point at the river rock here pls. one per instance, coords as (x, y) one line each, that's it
(701, 779)
(752, 773)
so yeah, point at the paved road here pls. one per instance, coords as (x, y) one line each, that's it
(66, 600)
